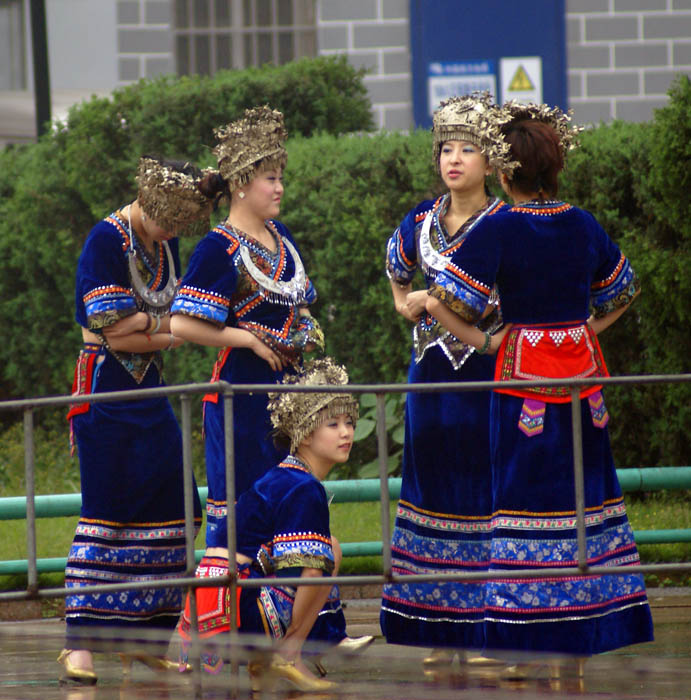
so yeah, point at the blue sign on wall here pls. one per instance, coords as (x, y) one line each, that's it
(515, 50)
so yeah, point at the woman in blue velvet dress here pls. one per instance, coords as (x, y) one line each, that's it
(443, 517)
(562, 281)
(247, 292)
(130, 453)
(283, 530)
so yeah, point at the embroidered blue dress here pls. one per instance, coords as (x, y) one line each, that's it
(234, 280)
(283, 527)
(130, 453)
(552, 264)
(442, 520)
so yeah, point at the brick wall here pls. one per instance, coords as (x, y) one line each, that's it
(623, 54)
(373, 34)
(144, 39)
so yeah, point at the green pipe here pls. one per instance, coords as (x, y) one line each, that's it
(349, 491)
(350, 549)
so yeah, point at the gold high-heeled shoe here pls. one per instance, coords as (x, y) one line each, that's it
(72, 673)
(438, 658)
(160, 664)
(265, 674)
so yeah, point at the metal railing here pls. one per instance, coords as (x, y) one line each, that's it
(345, 491)
(228, 391)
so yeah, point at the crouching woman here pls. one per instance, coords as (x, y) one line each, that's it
(283, 531)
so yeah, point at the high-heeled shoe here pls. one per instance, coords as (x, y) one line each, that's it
(438, 658)
(85, 676)
(266, 673)
(354, 645)
(160, 664)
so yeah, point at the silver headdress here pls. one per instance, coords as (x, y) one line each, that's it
(559, 120)
(170, 197)
(256, 140)
(297, 414)
(475, 119)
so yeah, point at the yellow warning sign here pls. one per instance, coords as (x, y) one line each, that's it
(520, 81)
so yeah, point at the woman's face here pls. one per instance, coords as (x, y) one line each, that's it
(156, 232)
(333, 439)
(463, 167)
(263, 194)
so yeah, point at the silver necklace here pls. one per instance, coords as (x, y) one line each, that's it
(292, 289)
(157, 302)
(432, 258)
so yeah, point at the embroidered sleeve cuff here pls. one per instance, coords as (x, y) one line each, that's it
(107, 305)
(304, 561)
(448, 295)
(398, 267)
(199, 303)
(311, 332)
(616, 291)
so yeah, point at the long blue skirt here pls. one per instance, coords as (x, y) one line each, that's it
(534, 527)
(443, 518)
(132, 517)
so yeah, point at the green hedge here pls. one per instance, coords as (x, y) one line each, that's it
(344, 196)
(53, 192)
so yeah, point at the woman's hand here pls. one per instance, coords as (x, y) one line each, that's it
(413, 306)
(266, 353)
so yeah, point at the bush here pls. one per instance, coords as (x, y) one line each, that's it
(54, 191)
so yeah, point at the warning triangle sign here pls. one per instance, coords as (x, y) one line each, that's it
(520, 81)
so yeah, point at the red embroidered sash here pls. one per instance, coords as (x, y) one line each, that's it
(568, 351)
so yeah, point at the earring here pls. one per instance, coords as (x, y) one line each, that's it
(241, 195)
(143, 216)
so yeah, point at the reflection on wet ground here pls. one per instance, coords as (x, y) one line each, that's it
(660, 669)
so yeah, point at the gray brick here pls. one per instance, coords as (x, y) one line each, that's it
(370, 61)
(128, 13)
(588, 57)
(610, 84)
(330, 38)
(658, 82)
(388, 89)
(395, 9)
(640, 55)
(611, 28)
(681, 4)
(670, 27)
(638, 110)
(681, 53)
(128, 69)
(143, 41)
(639, 5)
(397, 62)
(573, 6)
(158, 66)
(350, 10)
(157, 12)
(398, 118)
(591, 112)
(575, 86)
(573, 31)
(377, 36)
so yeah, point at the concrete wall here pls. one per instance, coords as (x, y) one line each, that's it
(144, 39)
(81, 44)
(622, 56)
(373, 34)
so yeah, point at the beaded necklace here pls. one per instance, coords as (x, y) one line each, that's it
(280, 291)
(155, 302)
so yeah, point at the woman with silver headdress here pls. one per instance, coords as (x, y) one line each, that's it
(562, 281)
(442, 520)
(130, 452)
(283, 530)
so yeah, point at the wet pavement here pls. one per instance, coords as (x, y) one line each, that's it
(660, 669)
